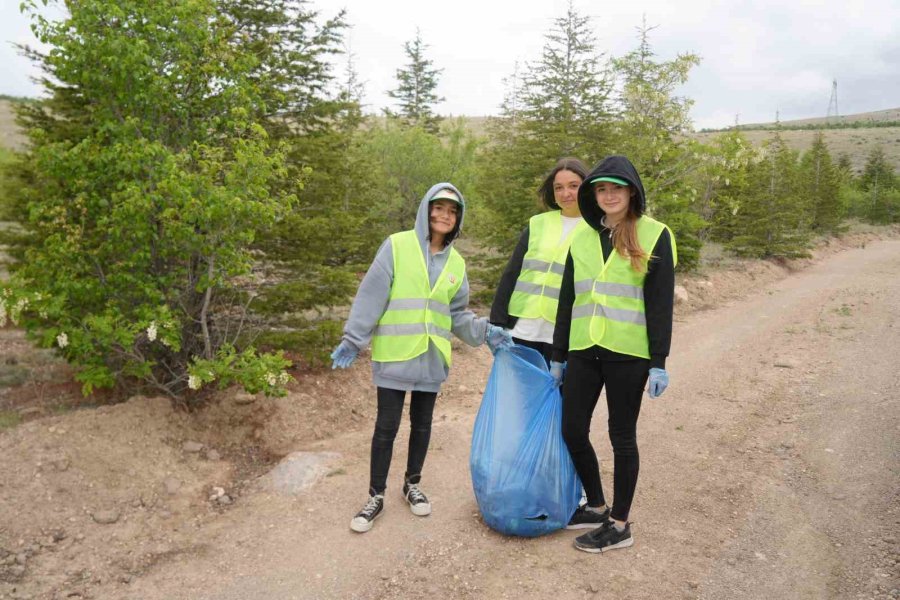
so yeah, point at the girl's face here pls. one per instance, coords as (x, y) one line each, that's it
(565, 192)
(613, 199)
(443, 216)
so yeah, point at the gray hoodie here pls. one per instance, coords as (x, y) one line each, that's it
(427, 371)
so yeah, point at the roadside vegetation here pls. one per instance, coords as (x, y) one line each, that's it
(192, 209)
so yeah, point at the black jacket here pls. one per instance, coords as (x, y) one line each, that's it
(659, 284)
(500, 307)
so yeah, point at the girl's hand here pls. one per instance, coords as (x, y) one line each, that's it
(344, 355)
(556, 371)
(498, 338)
(659, 381)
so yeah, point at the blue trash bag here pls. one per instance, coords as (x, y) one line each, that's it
(524, 479)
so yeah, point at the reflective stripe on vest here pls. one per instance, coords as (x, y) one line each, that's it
(536, 294)
(416, 313)
(609, 296)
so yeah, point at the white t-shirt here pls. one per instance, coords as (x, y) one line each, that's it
(541, 330)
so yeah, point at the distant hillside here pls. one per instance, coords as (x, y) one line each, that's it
(855, 142)
(10, 137)
(878, 116)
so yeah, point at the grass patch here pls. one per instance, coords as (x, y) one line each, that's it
(9, 419)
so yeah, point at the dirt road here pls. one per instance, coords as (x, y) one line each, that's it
(770, 469)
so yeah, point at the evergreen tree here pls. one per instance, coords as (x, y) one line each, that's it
(416, 87)
(558, 107)
(818, 188)
(651, 133)
(880, 184)
(723, 182)
(769, 221)
(310, 257)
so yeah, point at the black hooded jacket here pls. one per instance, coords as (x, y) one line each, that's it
(659, 284)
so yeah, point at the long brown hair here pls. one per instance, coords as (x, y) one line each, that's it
(625, 238)
(545, 192)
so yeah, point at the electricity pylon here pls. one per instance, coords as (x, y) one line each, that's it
(832, 104)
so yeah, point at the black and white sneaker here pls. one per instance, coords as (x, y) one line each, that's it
(584, 518)
(418, 502)
(605, 538)
(362, 522)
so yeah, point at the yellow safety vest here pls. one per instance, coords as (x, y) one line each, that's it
(416, 313)
(609, 296)
(536, 294)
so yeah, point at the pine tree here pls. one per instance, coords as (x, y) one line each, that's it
(310, 257)
(879, 182)
(769, 222)
(558, 107)
(416, 90)
(724, 183)
(818, 188)
(650, 132)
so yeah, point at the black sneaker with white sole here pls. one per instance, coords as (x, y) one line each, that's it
(584, 518)
(605, 538)
(362, 522)
(418, 502)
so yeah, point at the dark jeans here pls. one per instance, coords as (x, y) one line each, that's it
(586, 374)
(387, 423)
(544, 348)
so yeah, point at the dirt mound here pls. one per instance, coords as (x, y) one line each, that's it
(69, 478)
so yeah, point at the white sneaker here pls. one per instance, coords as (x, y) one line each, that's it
(418, 502)
(364, 519)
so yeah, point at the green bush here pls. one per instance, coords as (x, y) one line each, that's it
(145, 183)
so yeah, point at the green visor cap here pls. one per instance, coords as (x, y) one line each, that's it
(615, 180)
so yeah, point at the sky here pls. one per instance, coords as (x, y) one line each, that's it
(759, 58)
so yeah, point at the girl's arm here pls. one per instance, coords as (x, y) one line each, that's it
(659, 300)
(564, 312)
(500, 307)
(465, 324)
(371, 298)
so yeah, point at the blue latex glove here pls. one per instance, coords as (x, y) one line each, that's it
(498, 338)
(659, 381)
(344, 355)
(556, 371)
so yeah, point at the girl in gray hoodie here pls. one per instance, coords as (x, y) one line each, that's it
(414, 295)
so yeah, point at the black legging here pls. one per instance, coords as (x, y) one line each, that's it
(586, 374)
(387, 423)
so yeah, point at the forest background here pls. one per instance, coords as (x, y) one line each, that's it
(198, 195)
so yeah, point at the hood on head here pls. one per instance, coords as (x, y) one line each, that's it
(435, 193)
(618, 167)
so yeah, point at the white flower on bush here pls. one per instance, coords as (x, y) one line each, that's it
(2, 313)
(151, 331)
(284, 378)
(62, 340)
(271, 378)
(194, 382)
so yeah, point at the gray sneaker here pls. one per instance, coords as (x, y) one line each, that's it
(587, 519)
(363, 520)
(605, 538)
